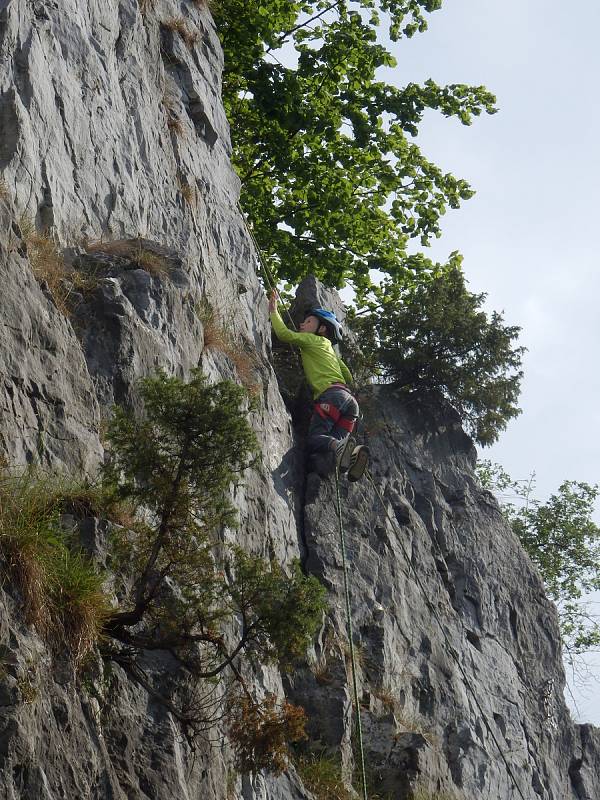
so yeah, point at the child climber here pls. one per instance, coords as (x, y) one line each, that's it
(336, 410)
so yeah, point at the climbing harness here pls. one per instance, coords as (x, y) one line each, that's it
(359, 736)
(449, 647)
(328, 410)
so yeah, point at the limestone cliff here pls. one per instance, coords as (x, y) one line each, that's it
(112, 129)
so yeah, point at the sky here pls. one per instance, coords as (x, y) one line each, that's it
(528, 237)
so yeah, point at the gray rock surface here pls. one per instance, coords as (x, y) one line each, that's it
(48, 405)
(111, 128)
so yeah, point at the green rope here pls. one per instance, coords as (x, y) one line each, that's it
(266, 273)
(268, 278)
(350, 638)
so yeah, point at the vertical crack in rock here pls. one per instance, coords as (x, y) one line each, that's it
(10, 128)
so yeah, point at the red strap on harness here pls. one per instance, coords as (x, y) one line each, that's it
(325, 410)
(346, 423)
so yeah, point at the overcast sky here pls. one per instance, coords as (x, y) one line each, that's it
(529, 235)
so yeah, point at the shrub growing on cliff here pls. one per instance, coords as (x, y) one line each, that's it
(192, 598)
(563, 541)
(437, 338)
(262, 732)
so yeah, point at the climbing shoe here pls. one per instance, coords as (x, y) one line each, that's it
(358, 462)
(343, 453)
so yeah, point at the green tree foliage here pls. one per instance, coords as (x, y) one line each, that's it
(203, 604)
(331, 181)
(435, 337)
(564, 543)
(179, 463)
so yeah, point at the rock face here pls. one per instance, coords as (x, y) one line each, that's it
(113, 140)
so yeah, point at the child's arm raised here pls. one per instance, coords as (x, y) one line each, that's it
(282, 331)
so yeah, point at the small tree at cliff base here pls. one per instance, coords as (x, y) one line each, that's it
(436, 338)
(202, 604)
(563, 541)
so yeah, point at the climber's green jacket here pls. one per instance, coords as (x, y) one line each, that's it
(322, 366)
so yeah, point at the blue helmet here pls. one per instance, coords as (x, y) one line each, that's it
(329, 319)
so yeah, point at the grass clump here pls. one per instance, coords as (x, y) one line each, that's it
(178, 25)
(3, 190)
(135, 251)
(218, 336)
(323, 777)
(27, 684)
(146, 6)
(61, 589)
(426, 794)
(47, 263)
(188, 192)
(79, 601)
(174, 121)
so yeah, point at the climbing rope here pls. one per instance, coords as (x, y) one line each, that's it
(268, 278)
(266, 273)
(350, 637)
(449, 646)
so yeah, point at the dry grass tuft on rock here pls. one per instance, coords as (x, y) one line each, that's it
(425, 794)
(386, 697)
(218, 336)
(178, 25)
(133, 250)
(4, 195)
(174, 121)
(188, 192)
(146, 6)
(47, 263)
(61, 590)
(174, 124)
(412, 722)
